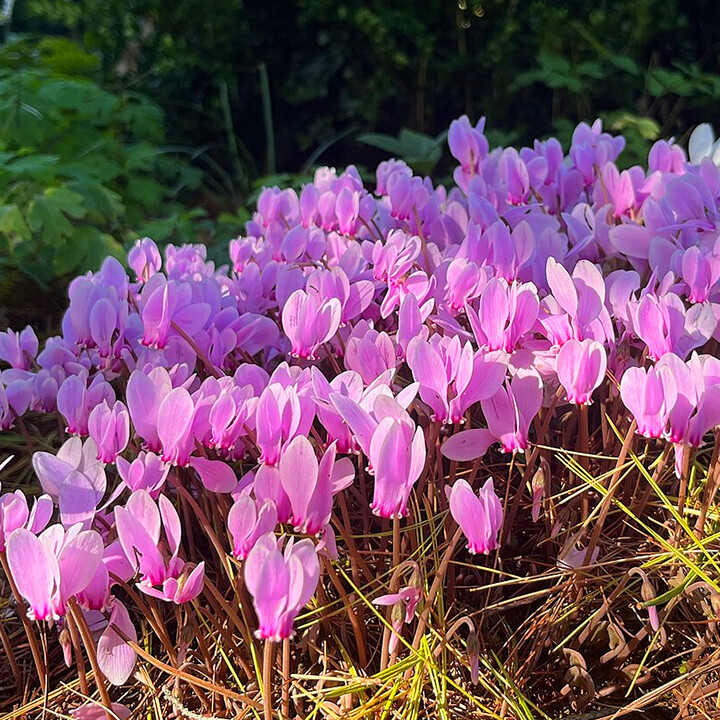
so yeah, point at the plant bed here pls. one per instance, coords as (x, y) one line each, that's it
(414, 451)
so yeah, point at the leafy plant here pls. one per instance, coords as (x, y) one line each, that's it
(83, 171)
(421, 152)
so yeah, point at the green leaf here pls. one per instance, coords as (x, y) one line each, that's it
(13, 225)
(146, 191)
(141, 157)
(99, 199)
(67, 201)
(624, 63)
(45, 219)
(66, 58)
(382, 142)
(38, 166)
(590, 69)
(661, 81)
(47, 213)
(421, 152)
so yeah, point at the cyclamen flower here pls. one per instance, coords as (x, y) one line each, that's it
(144, 259)
(50, 569)
(700, 269)
(93, 711)
(581, 366)
(109, 427)
(479, 516)
(14, 401)
(174, 427)
(145, 472)
(354, 296)
(115, 657)
(280, 583)
(15, 513)
(19, 349)
(397, 456)
(403, 602)
(702, 144)
(666, 327)
(74, 479)
(444, 368)
(167, 305)
(247, 521)
(369, 353)
(309, 322)
(281, 414)
(464, 281)
(692, 396)
(649, 395)
(506, 313)
(511, 410)
(310, 485)
(144, 394)
(581, 296)
(76, 399)
(231, 415)
(139, 524)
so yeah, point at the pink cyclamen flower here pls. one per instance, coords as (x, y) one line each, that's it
(74, 478)
(281, 583)
(14, 401)
(281, 414)
(109, 427)
(15, 513)
(581, 366)
(581, 296)
(649, 395)
(50, 569)
(249, 520)
(174, 427)
(144, 394)
(75, 400)
(139, 525)
(403, 605)
(94, 711)
(310, 485)
(511, 410)
(445, 368)
(144, 259)
(506, 313)
(464, 281)
(309, 322)
(145, 472)
(700, 270)
(19, 349)
(397, 456)
(667, 327)
(168, 306)
(479, 516)
(369, 353)
(409, 596)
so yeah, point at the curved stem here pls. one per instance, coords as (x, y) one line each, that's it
(80, 663)
(82, 626)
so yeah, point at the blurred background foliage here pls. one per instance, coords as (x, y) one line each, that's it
(164, 117)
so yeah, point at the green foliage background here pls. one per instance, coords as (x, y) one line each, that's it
(164, 117)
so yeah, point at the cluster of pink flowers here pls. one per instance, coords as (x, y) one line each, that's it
(352, 329)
